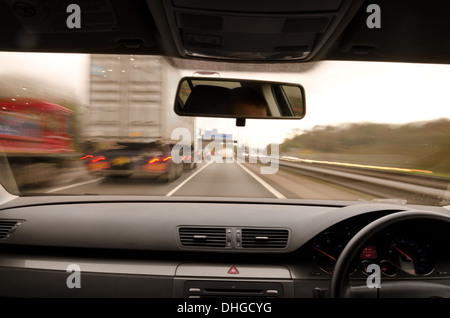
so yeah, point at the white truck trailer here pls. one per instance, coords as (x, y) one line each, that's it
(128, 124)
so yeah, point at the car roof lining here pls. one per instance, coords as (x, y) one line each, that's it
(410, 30)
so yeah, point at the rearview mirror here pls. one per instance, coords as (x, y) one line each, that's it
(235, 98)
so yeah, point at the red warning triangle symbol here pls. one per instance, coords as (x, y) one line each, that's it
(233, 270)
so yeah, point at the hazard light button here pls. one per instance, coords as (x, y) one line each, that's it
(233, 270)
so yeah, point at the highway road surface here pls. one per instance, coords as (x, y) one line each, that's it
(207, 180)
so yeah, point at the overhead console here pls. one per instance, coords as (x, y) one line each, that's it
(255, 30)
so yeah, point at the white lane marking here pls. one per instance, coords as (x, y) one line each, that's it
(74, 185)
(185, 181)
(263, 183)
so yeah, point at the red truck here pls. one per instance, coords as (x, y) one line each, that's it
(35, 135)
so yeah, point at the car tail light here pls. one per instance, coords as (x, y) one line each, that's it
(98, 163)
(96, 159)
(158, 164)
(154, 160)
(160, 159)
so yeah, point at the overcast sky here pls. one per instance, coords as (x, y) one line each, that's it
(336, 92)
(347, 92)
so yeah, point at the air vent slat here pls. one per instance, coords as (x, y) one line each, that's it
(7, 227)
(264, 238)
(202, 237)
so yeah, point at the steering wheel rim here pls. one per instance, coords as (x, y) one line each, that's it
(339, 287)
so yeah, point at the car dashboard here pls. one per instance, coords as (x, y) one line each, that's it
(193, 248)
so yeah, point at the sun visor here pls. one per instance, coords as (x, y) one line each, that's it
(76, 26)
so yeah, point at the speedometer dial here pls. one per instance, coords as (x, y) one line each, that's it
(410, 255)
(326, 250)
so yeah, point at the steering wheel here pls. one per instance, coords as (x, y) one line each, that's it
(340, 287)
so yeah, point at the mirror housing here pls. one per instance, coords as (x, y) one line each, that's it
(240, 99)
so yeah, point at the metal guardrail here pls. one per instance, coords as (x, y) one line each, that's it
(379, 181)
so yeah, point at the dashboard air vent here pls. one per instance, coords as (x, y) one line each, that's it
(7, 227)
(202, 237)
(264, 238)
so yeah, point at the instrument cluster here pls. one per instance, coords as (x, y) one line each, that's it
(406, 250)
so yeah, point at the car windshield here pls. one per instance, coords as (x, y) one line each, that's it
(78, 124)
